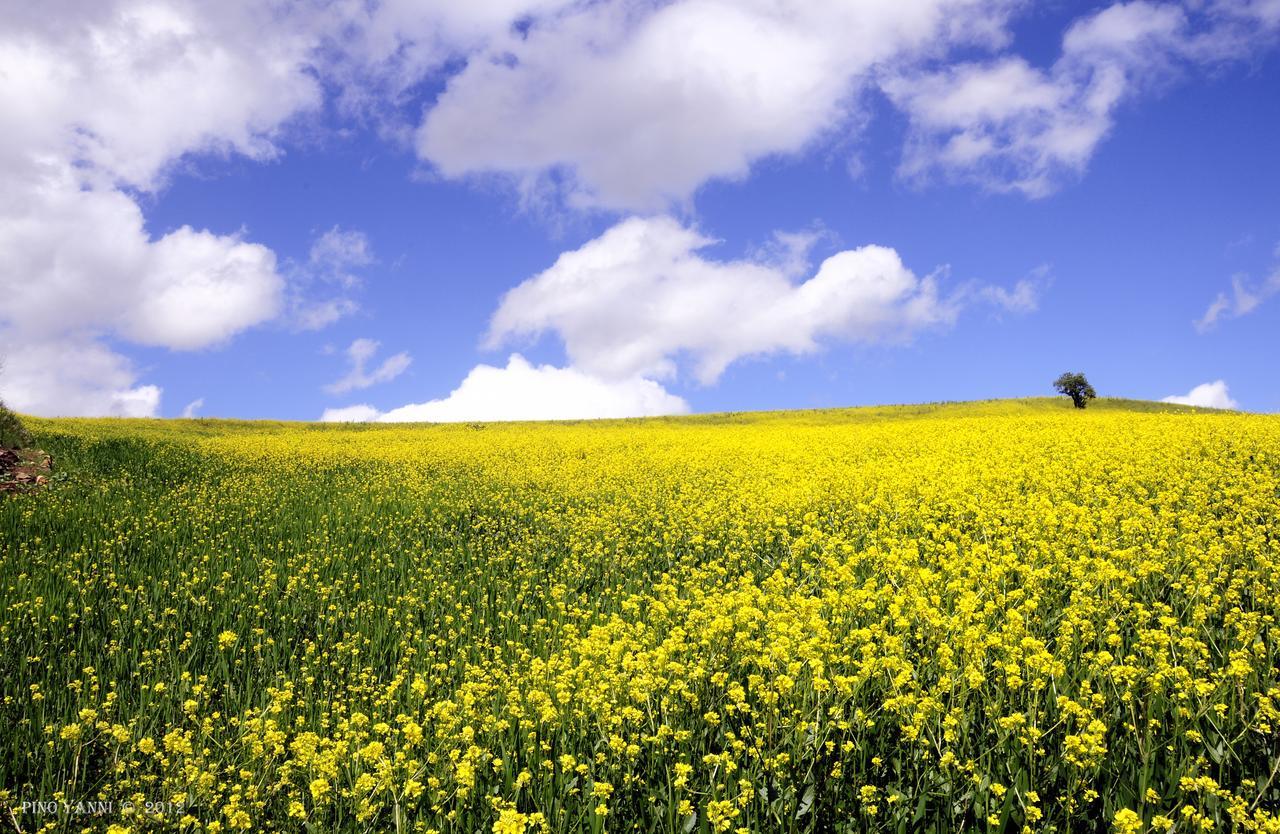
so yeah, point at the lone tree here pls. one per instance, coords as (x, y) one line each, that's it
(1076, 387)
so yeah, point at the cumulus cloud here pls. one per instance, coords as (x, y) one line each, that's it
(99, 101)
(1010, 126)
(632, 106)
(607, 104)
(359, 354)
(97, 104)
(113, 85)
(637, 302)
(76, 260)
(77, 266)
(199, 289)
(73, 377)
(1207, 395)
(523, 391)
(381, 50)
(192, 409)
(643, 296)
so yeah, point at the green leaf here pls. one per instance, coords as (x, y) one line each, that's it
(806, 802)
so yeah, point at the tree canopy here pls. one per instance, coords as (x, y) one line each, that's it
(1075, 386)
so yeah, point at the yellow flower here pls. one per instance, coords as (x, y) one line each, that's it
(471, 607)
(510, 822)
(1126, 821)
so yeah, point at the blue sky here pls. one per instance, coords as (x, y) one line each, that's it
(540, 209)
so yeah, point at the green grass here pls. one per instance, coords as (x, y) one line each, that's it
(492, 562)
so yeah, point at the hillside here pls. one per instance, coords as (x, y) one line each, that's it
(928, 617)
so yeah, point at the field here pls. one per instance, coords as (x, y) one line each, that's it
(984, 617)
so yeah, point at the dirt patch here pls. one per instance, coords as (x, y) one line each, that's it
(22, 470)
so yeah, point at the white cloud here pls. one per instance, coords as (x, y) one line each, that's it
(192, 409)
(72, 377)
(1244, 298)
(1207, 395)
(633, 303)
(334, 253)
(77, 260)
(790, 251)
(633, 106)
(311, 314)
(385, 48)
(199, 289)
(611, 103)
(1010, 126)
(320, 289)
(78, 265)
(642, 297)
(1023, 298)
(98, 101)
(125, 88)
(522, 391)
(350, 414)
(359, 353)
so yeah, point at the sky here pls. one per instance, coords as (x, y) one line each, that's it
(539, 209)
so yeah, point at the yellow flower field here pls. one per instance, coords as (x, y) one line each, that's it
(999, 616)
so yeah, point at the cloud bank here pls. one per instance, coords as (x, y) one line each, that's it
(1207, 395)
(614, 105)
(97, 105)
(522, 391)
(78, 267)
(634, 107)
(643, 303)
(643, 297)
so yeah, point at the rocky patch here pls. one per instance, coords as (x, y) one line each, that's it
(22, 470)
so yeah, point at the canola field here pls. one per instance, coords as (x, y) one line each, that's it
(992, 617)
